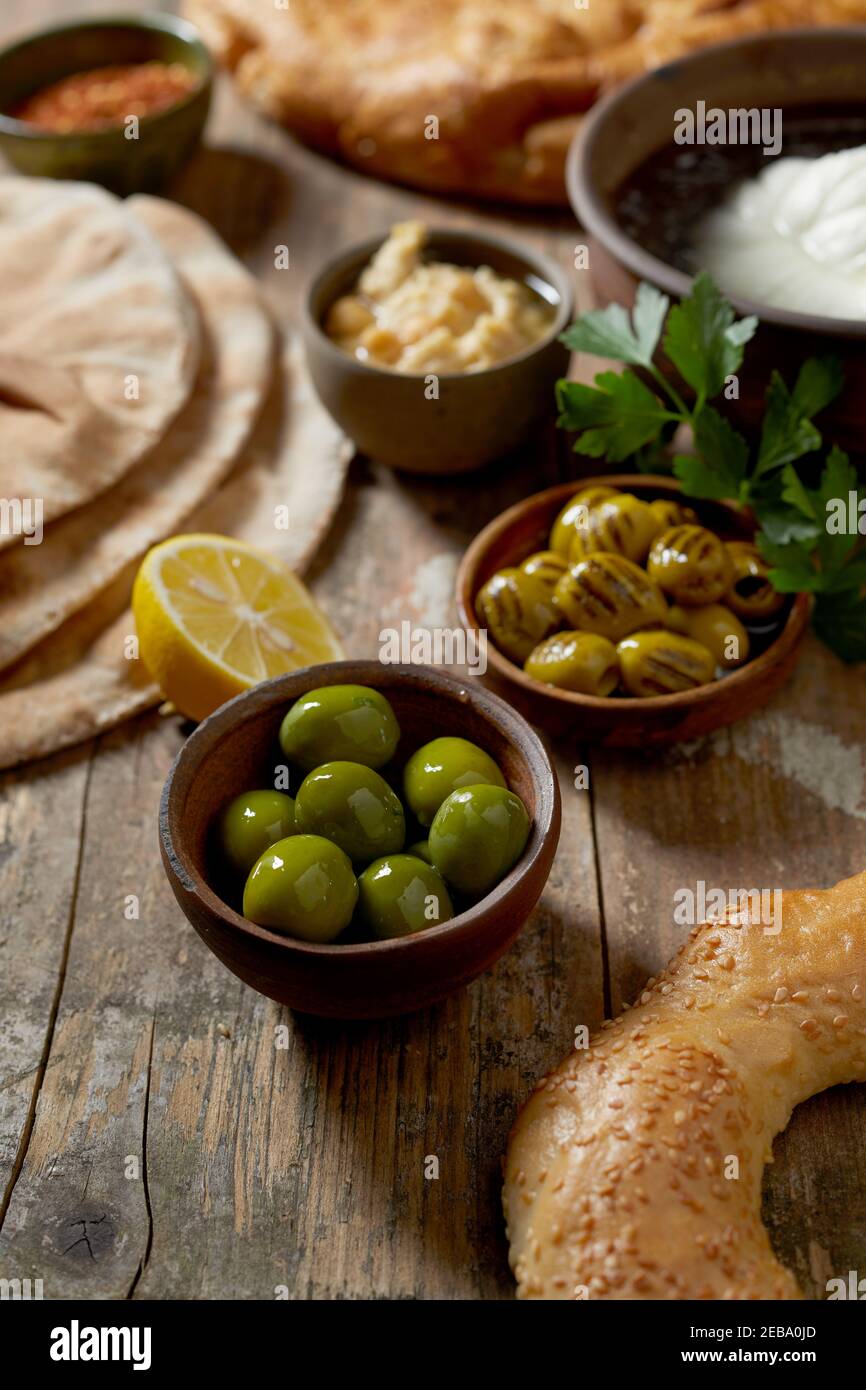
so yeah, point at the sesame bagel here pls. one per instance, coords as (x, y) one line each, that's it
(634, 1170)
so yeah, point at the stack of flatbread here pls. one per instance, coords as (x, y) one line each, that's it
(480, 97)
(143, 391)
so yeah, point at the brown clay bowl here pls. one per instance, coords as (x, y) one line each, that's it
(236, 748)
(800, 68)
(622, 722)
(478, 416)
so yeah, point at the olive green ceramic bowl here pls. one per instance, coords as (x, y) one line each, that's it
(476, 416)
(236, 748)
(124, 165)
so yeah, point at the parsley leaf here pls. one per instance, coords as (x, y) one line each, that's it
(840, 621)
(819, 382)
(609, 332)
(704, 340)
(791, 568)
(719, 467)
(617, 416)
(788, 432)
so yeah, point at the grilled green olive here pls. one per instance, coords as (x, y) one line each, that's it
(518, 611)
(547, 566)
(622, 525)
(574, 514)
(716, 628)
(751, 595)
(659, 663)
(610, 595)
(580, 661)
(400, 895)
(353, 806)
(691, 564)
(251, 823)
(478, 834)
(669, 513)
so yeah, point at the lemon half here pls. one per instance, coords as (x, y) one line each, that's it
(215, 616)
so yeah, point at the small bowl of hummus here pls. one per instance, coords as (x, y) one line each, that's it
(438, 350)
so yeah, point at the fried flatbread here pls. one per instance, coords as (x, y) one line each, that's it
(98, 343)
(82, 553)
(507, 81)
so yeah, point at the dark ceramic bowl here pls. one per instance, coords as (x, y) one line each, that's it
(165, 140)
(236, 748)
(797, 69)
(478, 415)
(622, 722)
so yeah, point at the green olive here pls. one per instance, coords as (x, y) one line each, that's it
(609, 595)
(547, 566)
(401, 894)
(574, 514)
(304, 886)
(251, 823)
(580, 661)
(622, 525)
(441, 767)
(660, 663)
(751, 595)
(353, 806)
(691, 564)
(518, 611)
(421, 850)
(349, 722)
(717, 628)
(477, 835)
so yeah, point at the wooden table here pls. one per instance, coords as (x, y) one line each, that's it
(155, 1139)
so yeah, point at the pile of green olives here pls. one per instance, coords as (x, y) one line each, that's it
(630, 598)
(331, 863)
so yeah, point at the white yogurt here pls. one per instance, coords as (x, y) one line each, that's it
(794, 237)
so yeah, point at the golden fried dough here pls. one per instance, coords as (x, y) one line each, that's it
(507, 82)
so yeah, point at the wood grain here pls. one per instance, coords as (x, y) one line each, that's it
(157, 1139)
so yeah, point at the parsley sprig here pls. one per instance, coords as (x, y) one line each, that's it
(633, 415)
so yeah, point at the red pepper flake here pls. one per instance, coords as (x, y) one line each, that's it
(105, 97)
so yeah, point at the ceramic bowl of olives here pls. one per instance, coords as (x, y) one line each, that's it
(358, 840)
(622, 612)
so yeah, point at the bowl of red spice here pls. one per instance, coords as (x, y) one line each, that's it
(121, 102)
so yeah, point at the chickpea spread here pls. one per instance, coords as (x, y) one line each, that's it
(415, 317)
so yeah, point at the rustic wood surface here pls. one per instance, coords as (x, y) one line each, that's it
(156, 1140)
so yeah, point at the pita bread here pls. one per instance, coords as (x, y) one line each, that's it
(98, 342)
(82, 553)
(294, 470)
(78, 683)
(508, 81)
